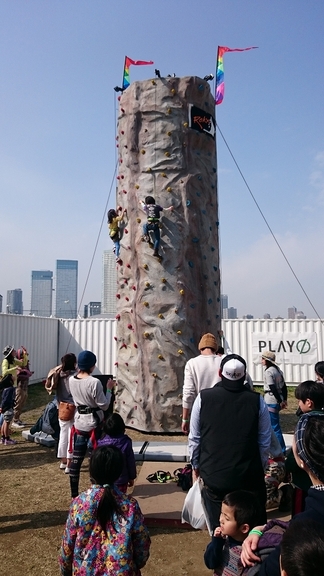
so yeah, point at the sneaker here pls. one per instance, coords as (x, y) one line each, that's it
(9, 442)
(62, 466)
(67, 470)
(17, 424)
(2, 440)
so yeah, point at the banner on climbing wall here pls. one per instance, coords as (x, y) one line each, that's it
(201, 120)
(290, 347)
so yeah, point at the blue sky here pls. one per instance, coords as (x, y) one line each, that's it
(59, 62)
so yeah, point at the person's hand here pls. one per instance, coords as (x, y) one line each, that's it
(130, 483)
(220, 333)
(185, 427)
(195, 474)
(249, 545)
(218, 532)
(110, 384)
(284, 405)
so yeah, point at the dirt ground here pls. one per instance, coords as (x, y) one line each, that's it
(35, 498)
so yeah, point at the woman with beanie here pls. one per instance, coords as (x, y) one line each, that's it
(105, 531)
(308, 451)
(90, 402)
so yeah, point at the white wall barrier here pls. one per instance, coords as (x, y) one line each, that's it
(298, 344)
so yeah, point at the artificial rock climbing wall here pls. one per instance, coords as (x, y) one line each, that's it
(166, 149)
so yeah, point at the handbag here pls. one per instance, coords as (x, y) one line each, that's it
(193, 511)
(66, 411)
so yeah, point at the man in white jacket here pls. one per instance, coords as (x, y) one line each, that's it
(200, 372)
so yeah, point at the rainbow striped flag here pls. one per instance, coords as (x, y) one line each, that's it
(219, 95)
(128, 62)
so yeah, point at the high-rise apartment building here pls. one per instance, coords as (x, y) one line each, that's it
(230, 313)
(14, 301)
(224, 305)
(66, 289)
(41, 293)
(109, 283)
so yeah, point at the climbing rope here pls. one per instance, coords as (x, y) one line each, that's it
(268, 225)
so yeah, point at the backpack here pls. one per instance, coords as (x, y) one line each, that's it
(270, 539)
(48, 421)
(184, 477)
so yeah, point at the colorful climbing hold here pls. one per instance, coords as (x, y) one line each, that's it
(133, 287)
(128, 265)
(185, 124)
(117, 295)
(180, 351)
(138, 220)
(145, 266)
(148, 169)
(142, 151)
(146, 334)
(163, 280)
(154, 374)
(169, 189)
(172, 90)
(160, 357)
(169, 133)
(145, 304)
(191, 264)
(195, 240)
(181, 292)
(163, 174)
(210, 301)
(169, 111)
(188, 202)
(153, 82)
(176, 310)
(115, 338)
(126, 231)
(136, 186)
(126, 298)
(117, 316)
(179, 332)
(147, 284)
(167, 154)
(129, 326)
(135, 345)
(161, 316)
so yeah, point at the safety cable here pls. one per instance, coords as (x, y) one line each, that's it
(268, 225)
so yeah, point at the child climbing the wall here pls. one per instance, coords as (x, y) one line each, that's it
(114, 232)
(153, 211)
(114, 435)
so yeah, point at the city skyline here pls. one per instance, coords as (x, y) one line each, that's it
(60, 62)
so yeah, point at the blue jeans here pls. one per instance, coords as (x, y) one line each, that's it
(275, 424)
(156, 230)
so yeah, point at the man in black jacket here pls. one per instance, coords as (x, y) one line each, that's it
(229, 438)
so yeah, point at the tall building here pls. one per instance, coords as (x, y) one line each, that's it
(66, 289)
(14, 301)
(292, 313)
(109, 283)
(230, 313)
(41, 293)
(224, 305)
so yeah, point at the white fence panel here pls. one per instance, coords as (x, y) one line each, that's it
(92, 334)
(48, 339)
(298, 345)
(38, 335)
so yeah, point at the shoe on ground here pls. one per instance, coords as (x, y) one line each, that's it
(9, 442)
(62, 466)
(67, 470)
(156, 254)
(17, 424)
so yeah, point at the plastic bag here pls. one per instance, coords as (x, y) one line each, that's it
(193, 511)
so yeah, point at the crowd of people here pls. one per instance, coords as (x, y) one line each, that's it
(236, 449)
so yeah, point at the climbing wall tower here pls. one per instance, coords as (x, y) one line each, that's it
(166, 149)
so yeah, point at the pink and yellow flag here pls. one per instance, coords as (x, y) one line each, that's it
(219, 95)
(128, 62)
